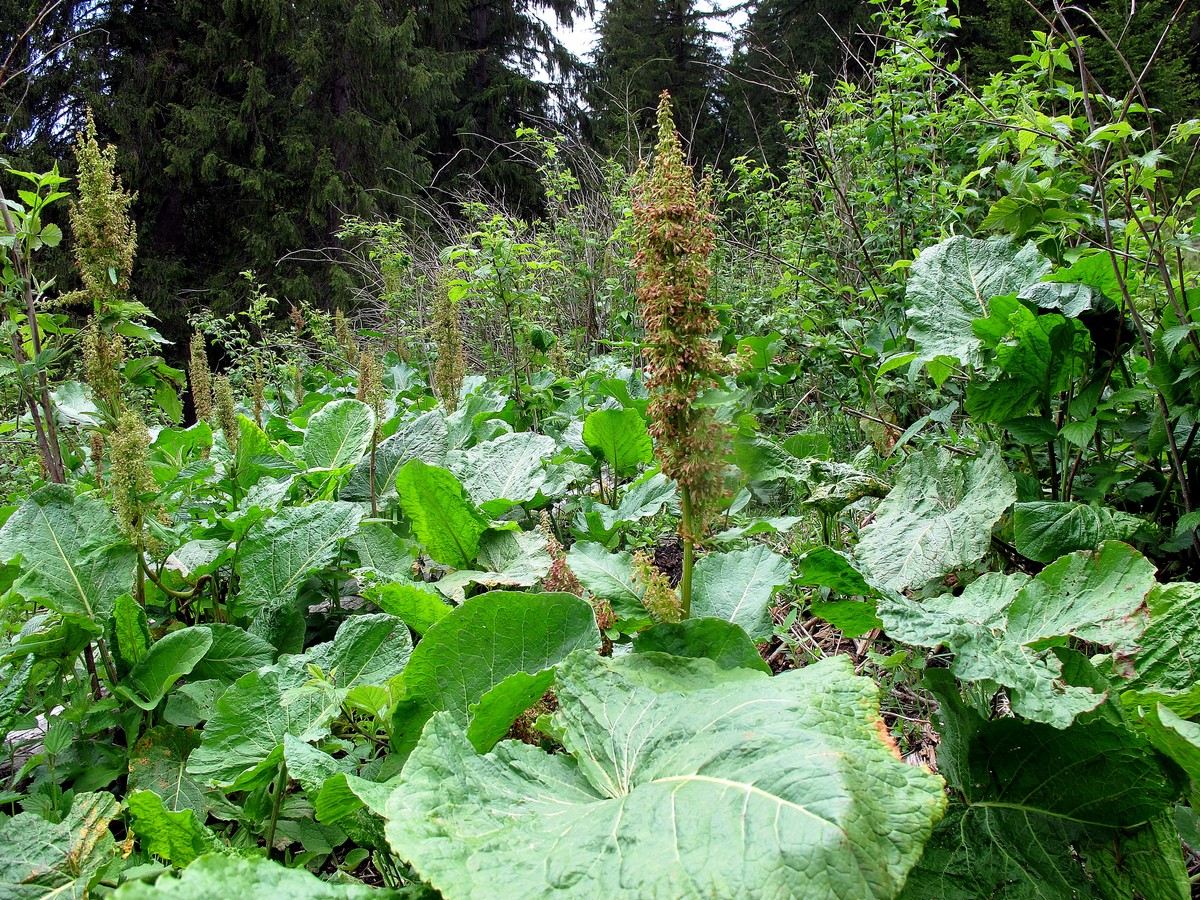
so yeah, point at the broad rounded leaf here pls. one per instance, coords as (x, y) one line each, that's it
(680, 779)
(40, 859)
(338, 435)
(276, 557)
(158, 763)
(619, 437)
(490, 637)
(175, 835)
(74, 558)
(500, 474)
(737, 586)
(1169, 658)
(937, 519)
(233, 653)
(443, 519)
(1046, 530)
(950, 284)
(723, 642)
(1001, 627)
(423, 438)
(1032, 800)
(169, 659)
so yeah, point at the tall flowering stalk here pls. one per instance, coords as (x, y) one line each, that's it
(674, 237)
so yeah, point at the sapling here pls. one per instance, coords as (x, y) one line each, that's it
(674, 237)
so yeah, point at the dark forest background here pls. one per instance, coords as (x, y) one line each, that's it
(250, 128)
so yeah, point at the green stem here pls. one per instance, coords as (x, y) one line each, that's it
(685, 581)
(276, 803)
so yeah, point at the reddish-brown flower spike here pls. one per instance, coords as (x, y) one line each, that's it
(673, 227)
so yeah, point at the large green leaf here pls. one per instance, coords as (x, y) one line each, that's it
(338, 435)
(1003, 628)
(417, 603)
(443, 519)
(60, 859)
(1034, 803)
(1039, 357)
(158, 763)
(169, 659)
(233, 653)
(276, 557)
(737, 586)
(937, 519)
(1169, 658)
(74, 558)
(723, 642)
(367, 649)
(247, 878)
(509, 470)
(505, 559)
(608, 576)
(644, 498)
(174, 835)
(243, 739)
(423, 438)
(950, 285)
(1046, 530)
(490, 637)
(681, 779)
(619, 437)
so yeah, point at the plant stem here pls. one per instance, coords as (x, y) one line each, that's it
(685, 580)
(276, 803)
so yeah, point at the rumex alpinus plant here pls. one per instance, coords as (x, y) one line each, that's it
(200, 379)
(674, 237)
(449, 365)
(105, 235)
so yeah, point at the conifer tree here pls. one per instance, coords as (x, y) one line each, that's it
(645, 47)
(510, 68)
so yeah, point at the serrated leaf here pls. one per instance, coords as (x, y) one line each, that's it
(1002, 627)
(937, 519)
(737, 586)
(950, 285)
(619, 437)
(668, 759)
(174, 835)
(443, 519)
